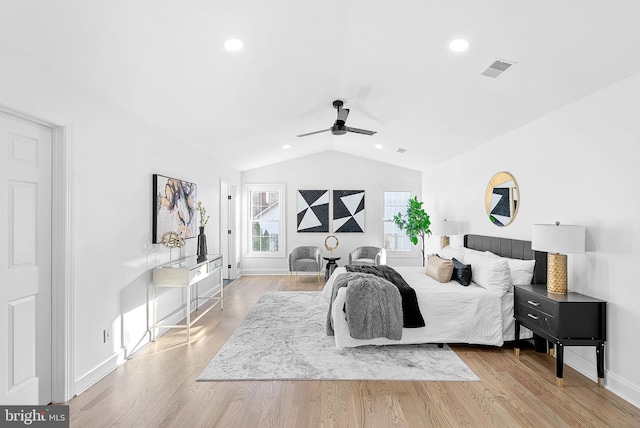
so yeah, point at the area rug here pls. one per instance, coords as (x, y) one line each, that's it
(284, 338)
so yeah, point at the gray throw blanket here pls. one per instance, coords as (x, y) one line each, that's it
(373, 306)
(412, 317)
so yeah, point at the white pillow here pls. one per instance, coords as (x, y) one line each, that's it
(450, 252)
(521, 270)
(490, 273)
(468, 251)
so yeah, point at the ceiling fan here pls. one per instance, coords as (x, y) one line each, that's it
(339, 127)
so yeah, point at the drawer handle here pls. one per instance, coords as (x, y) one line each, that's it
(533, 303)
(533, 316)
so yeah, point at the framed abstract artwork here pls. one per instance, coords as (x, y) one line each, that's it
(313, 211)
(174, 207)
(348, 211)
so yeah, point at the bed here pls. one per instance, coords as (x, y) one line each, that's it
(452, 313)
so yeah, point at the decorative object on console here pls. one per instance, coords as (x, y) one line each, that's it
(444, 229)
(331, 242)
(557, 240)
(502, 199)
(172, 240)
(313, 211)
(202, 238)
(416, 224)
(348, 211)
(174, 207)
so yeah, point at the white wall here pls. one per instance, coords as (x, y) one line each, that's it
(332, 171)
(115, 156)
(578, 165)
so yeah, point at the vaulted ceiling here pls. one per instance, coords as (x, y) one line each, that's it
(164, 61)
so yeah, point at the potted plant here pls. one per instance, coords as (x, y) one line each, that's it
(415, 223)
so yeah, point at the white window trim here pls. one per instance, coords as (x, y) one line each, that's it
(414, 249)
(280, 187)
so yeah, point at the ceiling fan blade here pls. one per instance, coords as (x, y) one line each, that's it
(360, 131)
(342, 114)
(315, 132)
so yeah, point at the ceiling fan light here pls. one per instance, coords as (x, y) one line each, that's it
(459, 45)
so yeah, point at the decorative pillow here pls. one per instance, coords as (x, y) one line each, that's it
(490, 273)
(521, 270)
(461, 272)
(439, 269)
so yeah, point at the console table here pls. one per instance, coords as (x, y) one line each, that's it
(571, 319)
(185, 273)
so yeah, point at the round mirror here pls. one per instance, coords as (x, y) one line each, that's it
(502, 199)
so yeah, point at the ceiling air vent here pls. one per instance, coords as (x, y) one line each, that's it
(497, 68)
(401, 150)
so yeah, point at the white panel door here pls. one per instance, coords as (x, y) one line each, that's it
(224, 229)
(25, 262)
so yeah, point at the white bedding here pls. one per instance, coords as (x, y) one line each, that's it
(452, 313)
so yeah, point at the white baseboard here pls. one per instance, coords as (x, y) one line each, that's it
(275, 272)
(93, 375)
(621, 387)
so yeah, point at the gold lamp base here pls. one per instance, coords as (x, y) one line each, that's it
(557, 273)
(444, 241)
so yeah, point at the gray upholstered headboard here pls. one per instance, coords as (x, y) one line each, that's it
(511, 248)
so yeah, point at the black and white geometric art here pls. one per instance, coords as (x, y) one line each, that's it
(313, 211)
(348, 211)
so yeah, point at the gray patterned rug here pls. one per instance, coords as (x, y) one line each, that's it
(284, 338)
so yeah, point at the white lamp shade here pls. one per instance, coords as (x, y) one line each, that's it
(445, 228)
(563, 239)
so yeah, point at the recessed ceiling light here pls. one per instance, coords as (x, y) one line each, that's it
(378, 146)
(233, 45)
(286, 146)
(459, 45)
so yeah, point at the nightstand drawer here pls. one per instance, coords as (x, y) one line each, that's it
(535, 318)
(536, 302)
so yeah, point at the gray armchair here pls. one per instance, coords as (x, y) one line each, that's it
(371, 256)
(305, 259)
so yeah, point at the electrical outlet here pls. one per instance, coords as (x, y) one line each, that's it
(106, 335)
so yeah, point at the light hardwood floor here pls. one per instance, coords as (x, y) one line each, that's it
(157, 387)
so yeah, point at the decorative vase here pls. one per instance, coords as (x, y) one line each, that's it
(202, 245)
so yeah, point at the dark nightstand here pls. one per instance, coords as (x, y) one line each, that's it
(571, 319)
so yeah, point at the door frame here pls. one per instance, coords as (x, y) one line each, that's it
(62, 259)
(231, 225)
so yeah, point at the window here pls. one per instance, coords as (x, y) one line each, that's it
(266, 220)
(394, 238)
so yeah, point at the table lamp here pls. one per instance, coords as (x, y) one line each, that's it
(557, 240)
(445, 228)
